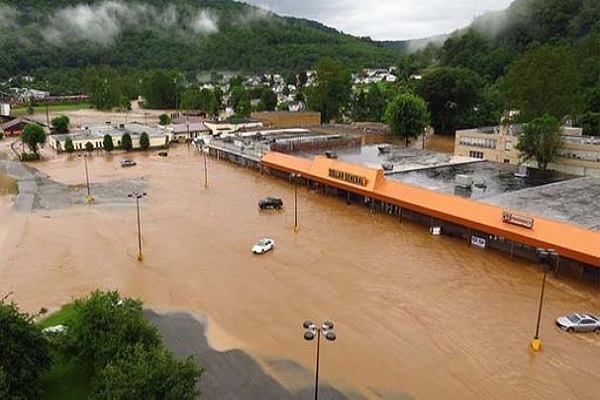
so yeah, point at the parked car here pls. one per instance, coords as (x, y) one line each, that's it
(264, 244)
(128, 163)
(579, 322)
(270, 202)
(55, 329)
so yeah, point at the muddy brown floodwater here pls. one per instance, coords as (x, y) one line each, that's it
(416, 315)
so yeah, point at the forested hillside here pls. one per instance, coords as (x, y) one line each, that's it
(190, 35)
(537, 56)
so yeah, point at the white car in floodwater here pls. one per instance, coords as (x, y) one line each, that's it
(265, 244)
(583, 322)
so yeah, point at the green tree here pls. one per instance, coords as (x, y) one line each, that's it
(159, 90)
(24, 353)
(126, 143)
(164, 119)
(89, 147)
(545, 80)
(240, 101)
(268, 100)
(106, 87)
(148, 374)
(69, 147)
(449, 92)
(407, 116)
(369, 104)
(104, 327)
(541, 140)
(60, 124)
(107, 143)
(4, 389)
(144, 141)
(332, 90)
(33, 135)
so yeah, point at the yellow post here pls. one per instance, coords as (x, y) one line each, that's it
(536, 344)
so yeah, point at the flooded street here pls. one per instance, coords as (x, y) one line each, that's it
(416, 315)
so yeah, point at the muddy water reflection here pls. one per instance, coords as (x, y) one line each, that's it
(414, 313)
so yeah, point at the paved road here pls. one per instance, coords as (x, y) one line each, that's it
(232, 375)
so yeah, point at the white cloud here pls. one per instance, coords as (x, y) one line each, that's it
(8, 16)
(99, 23)
(386, 19)
(204, 22)
(102, 23)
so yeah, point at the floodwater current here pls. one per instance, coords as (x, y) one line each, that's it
(415, 314)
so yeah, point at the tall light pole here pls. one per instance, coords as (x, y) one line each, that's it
(88, 197)
(295, 178)
(312, 331)
(205, 167)
(138, 196)
(545, 257)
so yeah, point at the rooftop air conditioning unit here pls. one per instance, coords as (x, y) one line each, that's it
(464, 181)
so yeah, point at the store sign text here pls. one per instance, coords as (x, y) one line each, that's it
(347, 177)
(516, 219)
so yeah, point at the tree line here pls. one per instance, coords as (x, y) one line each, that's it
(106, 346)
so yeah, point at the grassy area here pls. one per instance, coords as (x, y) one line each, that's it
(59, 317)
(22, 111)
(65, 380)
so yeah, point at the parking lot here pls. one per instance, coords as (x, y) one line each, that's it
(416, 315)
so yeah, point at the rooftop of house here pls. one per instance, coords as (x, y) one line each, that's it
(98, 131)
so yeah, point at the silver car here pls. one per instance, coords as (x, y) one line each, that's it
(583, 322)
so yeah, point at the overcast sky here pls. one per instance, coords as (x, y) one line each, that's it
(386, 19)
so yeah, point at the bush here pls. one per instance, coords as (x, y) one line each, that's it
(164, 119)
(126, 143)
(144, 141)
(89, 146)
(24, 353)
(104, 326)
(29, 157)
(1, 135)
(107, 143)
(69, 146)
(148, 374)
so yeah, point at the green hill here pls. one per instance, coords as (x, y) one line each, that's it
(190, 35)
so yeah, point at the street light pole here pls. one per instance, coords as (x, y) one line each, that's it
(204, 151)
(88, 197)
(544, 255)
(326, 329)
(295, 178)
(138, 196)
(87, 177)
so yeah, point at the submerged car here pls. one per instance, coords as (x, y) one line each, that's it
(270, 202)
(128, 163)
(265, 244)
(579, 322)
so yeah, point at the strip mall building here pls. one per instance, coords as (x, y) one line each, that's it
(568, 249)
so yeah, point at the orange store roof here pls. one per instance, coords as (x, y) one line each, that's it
(568, 240)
